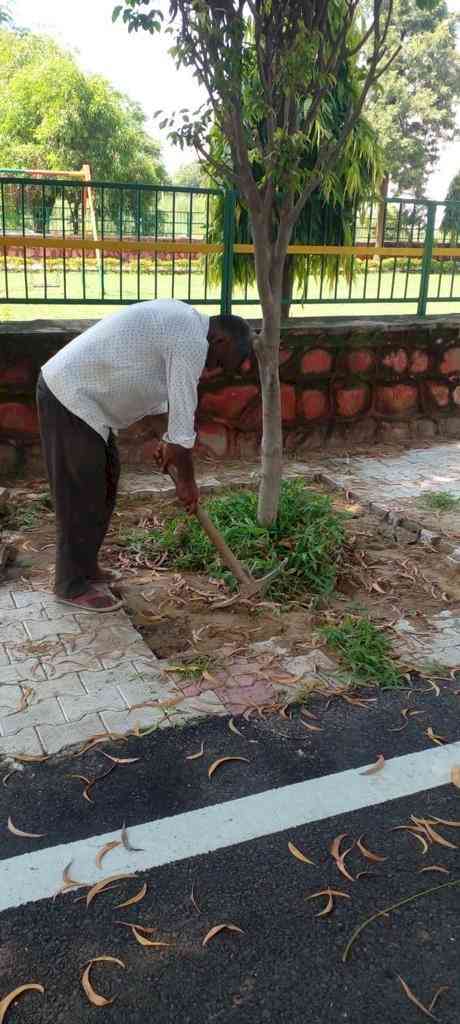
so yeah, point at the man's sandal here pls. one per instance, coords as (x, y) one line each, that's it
(93, 601)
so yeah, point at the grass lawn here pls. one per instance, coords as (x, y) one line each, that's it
(377, 288)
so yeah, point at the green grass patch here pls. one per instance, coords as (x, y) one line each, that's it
(308, 536)
(438, 501)
(26, 515)
(364, 650)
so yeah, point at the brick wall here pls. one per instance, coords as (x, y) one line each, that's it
(343, 383)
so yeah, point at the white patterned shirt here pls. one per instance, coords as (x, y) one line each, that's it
(147, 359)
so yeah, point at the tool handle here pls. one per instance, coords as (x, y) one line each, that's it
(216, 538)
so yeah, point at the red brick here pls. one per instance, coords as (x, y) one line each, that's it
(284, 356)
(420, 362)
(19, 373)
(437, 394)
(451, 362)
(352, 401)
(288, 403)
(213, 439)
(317, 360)
(228, 403)
(361, 361)
(396, 360)
(313, 404)
(396, 401)
(18, 418)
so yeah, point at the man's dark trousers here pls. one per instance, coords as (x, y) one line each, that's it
(83, 472)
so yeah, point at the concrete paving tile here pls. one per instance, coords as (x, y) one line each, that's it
(59, 686)
(46, 712)
(124, 721)
(50, 628)
(32, 598)
(55, 738)
(29, 670)
(6, 599)
(10, 697)
(77, 706)
(136, 690)
(137, 649)
(36, 612)
(13, 631)
(97, 680)
(24, 742)
(63, 662)
(4, 659)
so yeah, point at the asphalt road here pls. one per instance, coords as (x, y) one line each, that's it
(287, 965)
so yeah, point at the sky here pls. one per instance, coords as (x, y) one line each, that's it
(139, 65)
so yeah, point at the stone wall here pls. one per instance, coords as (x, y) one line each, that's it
(343, 383)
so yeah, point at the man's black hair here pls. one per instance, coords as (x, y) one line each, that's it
(239, 331)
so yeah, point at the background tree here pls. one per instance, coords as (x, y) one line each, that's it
(297, 51)
(193, 175)
(55, 117)
(451, 220)
(414, 106)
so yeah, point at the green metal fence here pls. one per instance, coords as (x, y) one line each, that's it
(105, 243)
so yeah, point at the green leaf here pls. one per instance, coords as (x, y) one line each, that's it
(116, 12)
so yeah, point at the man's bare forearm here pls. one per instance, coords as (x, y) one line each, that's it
(182, 459)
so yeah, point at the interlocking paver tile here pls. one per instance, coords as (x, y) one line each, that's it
(6, 600)
(12, 631)
(58, 686)
(78, 706)
(29, 598)
(56, 737)
(136, 690)
(27, 742)
(67, 626)
(10, 697)
(125, 721)
(46, 712)
(35, 613)
(29, 670)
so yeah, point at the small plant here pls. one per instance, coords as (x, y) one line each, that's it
(364, 650)
(28, 515)
(308, 537)
(438, 501)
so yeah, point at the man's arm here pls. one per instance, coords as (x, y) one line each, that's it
(184, 368)
(180, 461)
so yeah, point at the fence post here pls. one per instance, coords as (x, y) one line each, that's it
(427, 258)
(227, 264)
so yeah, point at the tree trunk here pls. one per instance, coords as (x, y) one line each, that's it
(288, 287)
(384, 186)
(272, 435)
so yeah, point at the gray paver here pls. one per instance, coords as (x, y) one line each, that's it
(46, 712)
(59, 686)
(135, 690)
(57, 737)
(27, 742)
(77, 706)
(126, 721)
(29, 670)
(12, 631)
(6, 599)
(48, 628)
(29, 598)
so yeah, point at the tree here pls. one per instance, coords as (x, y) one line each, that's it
(329, 216)
(193, 175)
(413, 107)
(54, 117)
(297, 48)
(451, 220)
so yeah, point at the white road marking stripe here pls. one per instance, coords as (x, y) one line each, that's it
(30, 877)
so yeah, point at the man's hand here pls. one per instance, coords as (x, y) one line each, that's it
(188, 494)
(160, 456)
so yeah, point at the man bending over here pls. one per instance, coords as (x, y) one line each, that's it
(143, 361)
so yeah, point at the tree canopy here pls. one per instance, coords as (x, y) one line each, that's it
(451, 220)
(54, 116)
(413, 107)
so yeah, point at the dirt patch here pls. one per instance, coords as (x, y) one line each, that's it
(384, 575)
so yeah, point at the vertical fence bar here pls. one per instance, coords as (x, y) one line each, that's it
(229, 239)
(5, 258)
(427, 259)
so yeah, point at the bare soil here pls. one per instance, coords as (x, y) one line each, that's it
(384, 574)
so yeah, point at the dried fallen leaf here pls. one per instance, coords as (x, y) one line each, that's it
(140, 927)
(100, 886)
(24, 835)
(105, 850)
(68, 882)
(298, 853)
(31, 758)
(6, 1002)
(126, 843)
(312, 728)
(234, 729)
(434, 867)
(94, 998)
(455, 776)
(413, 998)
(374, 857)
(14, 771)
(330, 893)
(340, 857)
(223, 760)
(193, 900)
(434, 836)
(445, 821)
(377, 767)
(413, 832)
(144, 941)
(120, 760)
(195, 757)
(433, 686)
(134, 899)
(436, 739)
(221, 928)
(443, 988)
